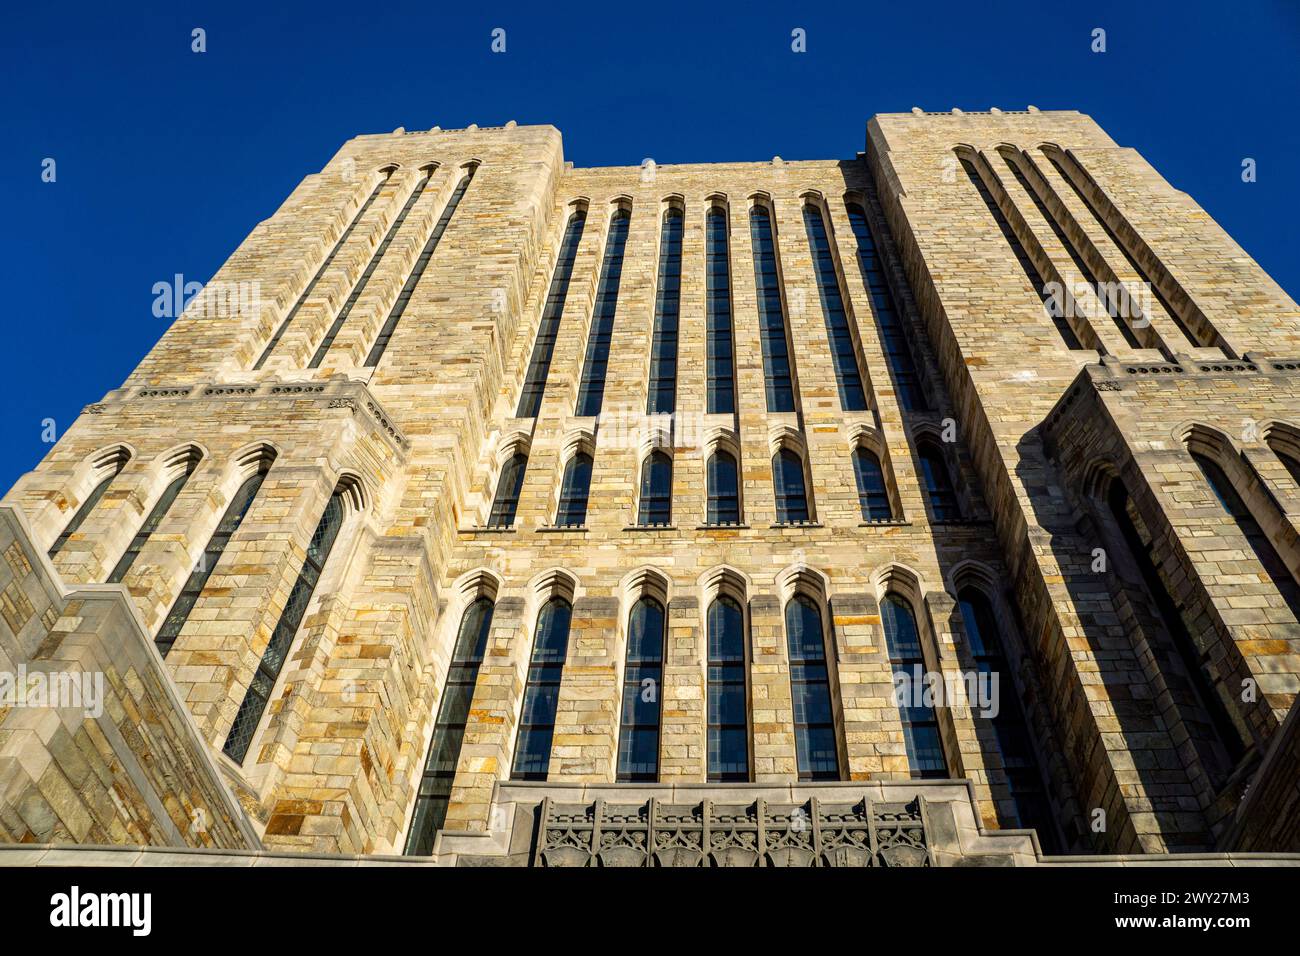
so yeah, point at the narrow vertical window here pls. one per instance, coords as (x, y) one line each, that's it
(509, 485)
(449, 731)
(873, 495)
(591, 393)
(920, 725)
(1054, 306)
(720, 350)
(723, 489)
(277, 649)
(638, 734)
(150, 525)
(539, 366)
(777, 365)
(87, 506)
(728, 711)
(417, 272)
(542, 692)
(229, 524)
(329, 260)
(844, 353)
(937, 483)
(662, 397)
(574, 490)
(810, 688)
(656, 507)
(1019, 759)
(1291, 464)
(364, 280)
(791, 496)
(893, 339)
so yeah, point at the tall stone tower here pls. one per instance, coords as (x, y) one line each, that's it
(933, 506)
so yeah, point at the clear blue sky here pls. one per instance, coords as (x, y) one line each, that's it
(166, 158)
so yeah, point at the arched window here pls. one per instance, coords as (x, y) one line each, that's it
(277, 649)
(449, 731)
(844, 352)
(329, 260)
(417, 272)
(771, 316)
(638, 733)
(662, 397)
(724, 489)
(937, 483)
(791, 495)
(1015, 744)
(542, 692)
(539, 366)
(591, 392)
(728, 709)
(1055, 309)
(893, 339)
(509, 485)
(810, 691)
(240, 502)
(656, 506)
(155, 517)
(920, 726)
(364, 280)
(873, 494)
(574, 491)
(717, 282)
(92, 499)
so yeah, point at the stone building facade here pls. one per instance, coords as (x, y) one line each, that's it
(484, 509)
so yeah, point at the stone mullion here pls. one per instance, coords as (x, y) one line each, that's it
(585, 744)
(873, 731)
(772, 706)
(689, 462)
(683, 745)
(90, 554)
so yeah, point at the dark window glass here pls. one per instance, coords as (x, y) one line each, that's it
(810, 689)
(728, 711)
(277, 649)
(189, 596)
(721, 372)
(638, 734)
(724, 489)
(86, 508)
(1292, 465)
(844, 352)
(791, 496)
(920, 726)
(509, 485)
(777, 364)
(404, 297)
(542, 692)
(873, 496)
(449, 731)
(150, 525)
(539, 366)
(574, 491)
(893, 338)
(591, 393)
(662, 397)
(656, 490)
(937, 483)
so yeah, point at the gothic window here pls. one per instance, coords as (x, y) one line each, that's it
(810, 689)
(662, 397)
(873, 494)
(723, 489)
(656, 506)
(88, 505)
(937, 483)
(574, 490)
(920, 725)
(150, 525)
(509, 485)
(728, 711)
(844, 352)
(539, 366)
(638, 735)
(542, 692)
(777, 364)
(719, 356)
(791, 494)
(591, 393)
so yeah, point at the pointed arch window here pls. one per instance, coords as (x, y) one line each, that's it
(723, 489)
(539, 366)
(574, 491)
(844, 351)
(449, 732)
(662, 397)
(591, 393)
(656, 506)
(777, 364)
(720, 349)
(728, 709)
(87, 506)
(791, 492)
(150, 524)
(920, 725)
(509, 485)
(240, 502)
(814, 721)
(937, 483)
(873, 493)
(542, 692)
(638, 735)
(277, 649)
